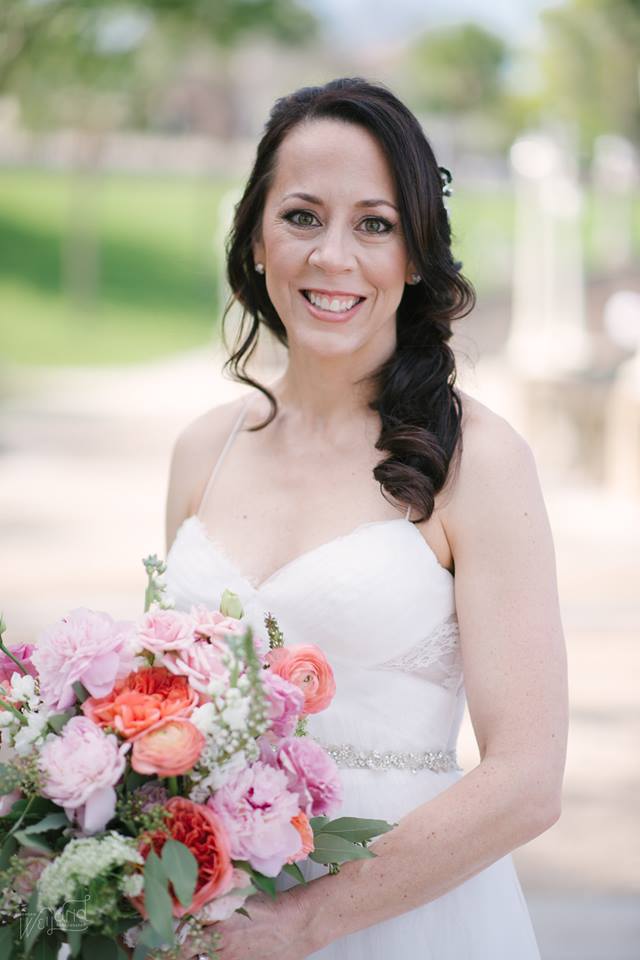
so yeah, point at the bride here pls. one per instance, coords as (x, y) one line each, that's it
(380, 512)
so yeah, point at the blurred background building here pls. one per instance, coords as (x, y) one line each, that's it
(126, 131)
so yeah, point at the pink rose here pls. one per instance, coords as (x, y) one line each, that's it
(22, 652)
(87, 646)
(80, 768)
(199, 663)
(285, 703)
(311, 774)
(212, 623)
(306, 666)
(163, 630)
(256, 809)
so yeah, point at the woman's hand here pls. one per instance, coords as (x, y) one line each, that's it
(277, 930)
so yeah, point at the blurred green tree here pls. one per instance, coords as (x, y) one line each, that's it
(458, 70)
(56, 55)
(591, 64)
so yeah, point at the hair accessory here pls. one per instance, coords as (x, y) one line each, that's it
(259, 268)
(446, 178)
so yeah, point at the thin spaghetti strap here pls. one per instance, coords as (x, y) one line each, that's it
(223, 453)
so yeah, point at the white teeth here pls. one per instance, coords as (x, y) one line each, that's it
(334, 306)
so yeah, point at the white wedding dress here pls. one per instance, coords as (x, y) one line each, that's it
(380, 605)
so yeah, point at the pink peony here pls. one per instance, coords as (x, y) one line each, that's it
(163, 630)
(211, 624)
(285, 703)
(87, 646)
(80, 768)
(22, 652)
(256, 810)
(199, 663)
(222, 907)
(311, 774)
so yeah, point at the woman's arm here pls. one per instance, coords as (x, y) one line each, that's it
(515, 679)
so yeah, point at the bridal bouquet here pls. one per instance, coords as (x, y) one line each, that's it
(156, 774)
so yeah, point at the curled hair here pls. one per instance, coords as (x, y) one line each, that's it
(413, 390)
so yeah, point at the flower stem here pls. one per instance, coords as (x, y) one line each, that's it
(173, 786)
(11, 656)
(12, 709)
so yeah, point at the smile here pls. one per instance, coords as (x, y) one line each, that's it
(335, 303)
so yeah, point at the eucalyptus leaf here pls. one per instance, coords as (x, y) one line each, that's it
(32, 841)
(8, 849)
(266, 884)
(317, 823)
(156, 898)
(46, 947)
(294, 871)
(74, 939)
(333, 849)
(182, 868)
(52, 821)
(81, 692)
(356, 828)
(58, 720)
(99, 948)
(35, 921)
(7, 936)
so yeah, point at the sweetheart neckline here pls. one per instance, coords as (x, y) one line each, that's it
(257, 587)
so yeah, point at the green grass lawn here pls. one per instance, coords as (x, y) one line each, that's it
(122, 268)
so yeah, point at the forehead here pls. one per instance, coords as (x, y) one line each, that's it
(332, 158)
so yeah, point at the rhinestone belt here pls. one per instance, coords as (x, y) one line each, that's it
(346, 755)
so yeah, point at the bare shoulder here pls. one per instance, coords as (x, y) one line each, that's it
(496, 472)
(195, 452)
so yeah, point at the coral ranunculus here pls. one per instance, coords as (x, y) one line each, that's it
(143, 701)
(306, 666)
(304, 828)
(168, 750)
(201, 830)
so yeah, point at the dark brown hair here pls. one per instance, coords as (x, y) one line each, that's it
(414, 391)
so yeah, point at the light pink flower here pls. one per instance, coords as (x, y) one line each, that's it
(222, 907)
(87, 646)
(80, 768)
(311, 774)
(199, 663)
(163, 630)
(256, 809)
(7, 800)
(212, 623)
(285, 703)
(22, 652)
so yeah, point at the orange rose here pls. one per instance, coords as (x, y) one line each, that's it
(142, 701)
(201, 830)
(304, 828)
(167, 750)
(306, 666)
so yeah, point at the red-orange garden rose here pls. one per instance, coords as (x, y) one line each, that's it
(304, 828)
(201, 830)
(306, 666)
(168, 750)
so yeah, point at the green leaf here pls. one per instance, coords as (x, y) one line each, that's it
(356, 828)
(58, 720)
(34, 842)
(231, 605)
(74, 938)
(34, 923)
(10, 778)
(46, 947)
(333, 849)
(7, 936)
(156, 898)
(182, 867)
(317, 823)
(148, 941)
(52, 821)
(266, 884)
(81, 692)
(294, 871)
(245, 913)
(99, 948)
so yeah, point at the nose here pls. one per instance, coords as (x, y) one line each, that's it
(333, 250)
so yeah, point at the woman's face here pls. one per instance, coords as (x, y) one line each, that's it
(331, 241)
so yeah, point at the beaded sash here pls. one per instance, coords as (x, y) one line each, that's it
(346, 755)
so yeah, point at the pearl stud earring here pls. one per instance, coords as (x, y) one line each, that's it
(415, 278)
(259, 268)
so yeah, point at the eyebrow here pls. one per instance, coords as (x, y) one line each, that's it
(375, 202)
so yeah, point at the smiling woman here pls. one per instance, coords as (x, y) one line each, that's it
(341, 247)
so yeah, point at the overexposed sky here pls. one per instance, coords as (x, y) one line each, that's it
(350, 22)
